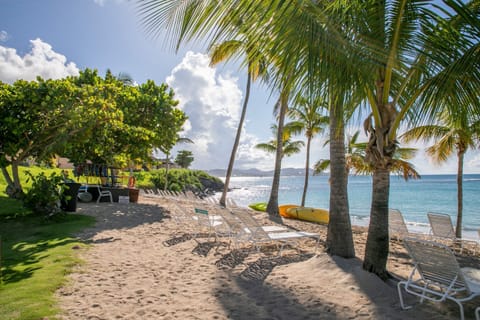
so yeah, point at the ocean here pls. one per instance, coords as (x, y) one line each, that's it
(414, 198)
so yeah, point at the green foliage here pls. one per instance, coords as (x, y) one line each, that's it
(45, 194)
(36, 256)
(182, 179)
(184, 158)
(86, 117)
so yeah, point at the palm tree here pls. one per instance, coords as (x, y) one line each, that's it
(255, 68)
(309, 120)
(289, 147)
(355, 153)
(414, 70)
(452, 133)
(281, 146)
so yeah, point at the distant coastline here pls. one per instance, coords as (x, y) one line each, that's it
(258, 173)
(293, 172)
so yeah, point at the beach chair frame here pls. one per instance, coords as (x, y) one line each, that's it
(396, 224)
(436, 275)
(259, 234)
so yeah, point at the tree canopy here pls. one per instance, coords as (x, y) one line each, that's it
(84, 118)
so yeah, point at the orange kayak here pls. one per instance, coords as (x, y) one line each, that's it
(284, 207)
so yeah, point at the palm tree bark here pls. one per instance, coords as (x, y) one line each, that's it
(223, 198)
(272, 206)
(458, 230)
(339, 236)
(307, 171)
(376, 249)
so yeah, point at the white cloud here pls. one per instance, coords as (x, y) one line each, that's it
(212, 103)
(474, 163)
(40, 61)
(4, 36)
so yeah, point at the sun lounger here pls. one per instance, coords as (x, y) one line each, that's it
(437, 276)
(259, 236)
(442, 229)
(397, 227)
(396, 224)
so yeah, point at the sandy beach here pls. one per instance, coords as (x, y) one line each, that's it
(140, 264)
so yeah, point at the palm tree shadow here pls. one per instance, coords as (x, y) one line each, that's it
(251, 298)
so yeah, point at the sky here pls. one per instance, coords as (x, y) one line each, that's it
(57, 38)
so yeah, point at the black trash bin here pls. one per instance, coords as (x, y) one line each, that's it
(70, 205)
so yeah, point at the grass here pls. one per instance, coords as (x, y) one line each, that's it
(35, 256)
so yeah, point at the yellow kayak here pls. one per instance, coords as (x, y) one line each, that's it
(309, 214)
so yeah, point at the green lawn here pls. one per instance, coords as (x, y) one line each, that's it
(35, 257)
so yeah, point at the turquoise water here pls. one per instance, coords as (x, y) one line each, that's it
(414, 198)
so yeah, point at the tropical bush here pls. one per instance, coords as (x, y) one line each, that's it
(184, 179)
(45, 195)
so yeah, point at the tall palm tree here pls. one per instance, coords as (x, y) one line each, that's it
(309, 120)
(289, 147)
(414, 70)
(281, 146)
(452, 133)
(255, 68)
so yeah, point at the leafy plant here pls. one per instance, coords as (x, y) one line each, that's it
(46, 193)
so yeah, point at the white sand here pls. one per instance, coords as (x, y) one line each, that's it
(139, 267)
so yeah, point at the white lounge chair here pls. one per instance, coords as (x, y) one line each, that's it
(104, 193)
(442, 229)
(436, 275)
(238, 231)
(207, 221)
(477, 313)
(258, 235)
(396, 224)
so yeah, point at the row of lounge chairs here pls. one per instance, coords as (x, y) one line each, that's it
(437, 275)
(236, 224)
(441, 230)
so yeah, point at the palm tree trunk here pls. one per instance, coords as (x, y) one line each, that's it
(339, 236)
(376, 249)
(458, 230)
(223, 198)
(307, 169)
(272, 206)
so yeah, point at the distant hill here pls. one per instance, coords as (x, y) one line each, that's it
(257, 173)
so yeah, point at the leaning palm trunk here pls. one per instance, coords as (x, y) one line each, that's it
(339, 236)
(376, 249)
(223, 198)
(458, 230)
(272, 206)
(307, 169)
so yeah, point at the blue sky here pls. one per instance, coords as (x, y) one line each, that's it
(55, 38)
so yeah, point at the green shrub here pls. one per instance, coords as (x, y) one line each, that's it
(45, 194)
